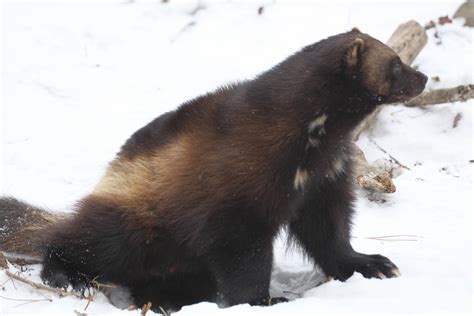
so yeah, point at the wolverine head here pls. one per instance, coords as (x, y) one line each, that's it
(379, 70)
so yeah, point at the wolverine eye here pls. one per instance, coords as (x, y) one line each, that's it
(397, 68)
(397, 82)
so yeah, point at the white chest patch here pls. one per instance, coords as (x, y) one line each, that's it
(337, 168)
(301, 177)
(317, 123)
(316, 130)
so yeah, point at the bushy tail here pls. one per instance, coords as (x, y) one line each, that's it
(23, 227)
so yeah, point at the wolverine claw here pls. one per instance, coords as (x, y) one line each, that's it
(377, 266)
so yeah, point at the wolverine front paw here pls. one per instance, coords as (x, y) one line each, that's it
(370, 266)
(377, 266)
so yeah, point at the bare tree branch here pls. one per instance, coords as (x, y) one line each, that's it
(459, 93)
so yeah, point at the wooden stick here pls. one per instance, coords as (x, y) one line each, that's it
(460, 93)
(40, 286)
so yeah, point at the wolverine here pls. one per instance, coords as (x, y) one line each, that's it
(189, 208)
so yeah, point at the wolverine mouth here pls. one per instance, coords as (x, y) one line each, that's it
(402, 95)
(406, 94)
(410, 84)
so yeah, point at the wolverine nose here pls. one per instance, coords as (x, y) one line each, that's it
(424, 78)
(419, 83)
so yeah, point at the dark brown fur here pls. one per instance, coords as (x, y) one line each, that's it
(189, 208)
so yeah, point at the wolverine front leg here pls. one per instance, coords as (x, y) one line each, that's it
(322, 228)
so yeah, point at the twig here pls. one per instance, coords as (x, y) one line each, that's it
(50, 90)
(78, 313)
(42, 294)
(146, 307)
(395, 112)
(37, 290)
(4, 282)
(391, 157)
(33, 301)
(25, 300)
(40, 286)
(98, 285)
(456, 120)
(89, 298)
(392, 238)
(13, 283)
(198, 8)
(182, 30)
(162, 310)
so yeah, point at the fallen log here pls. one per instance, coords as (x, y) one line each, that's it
(371, 177)
(466, 11)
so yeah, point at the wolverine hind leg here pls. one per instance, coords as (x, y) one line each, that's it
(171, 292)
(92, 245)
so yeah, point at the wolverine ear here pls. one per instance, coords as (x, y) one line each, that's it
(355, 30)
(354, 52)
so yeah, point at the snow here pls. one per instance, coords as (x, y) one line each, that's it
(79, 78)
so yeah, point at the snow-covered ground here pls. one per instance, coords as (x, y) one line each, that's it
(78, 79)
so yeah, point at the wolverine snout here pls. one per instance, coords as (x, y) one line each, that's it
(413, 83)
(418, 83)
